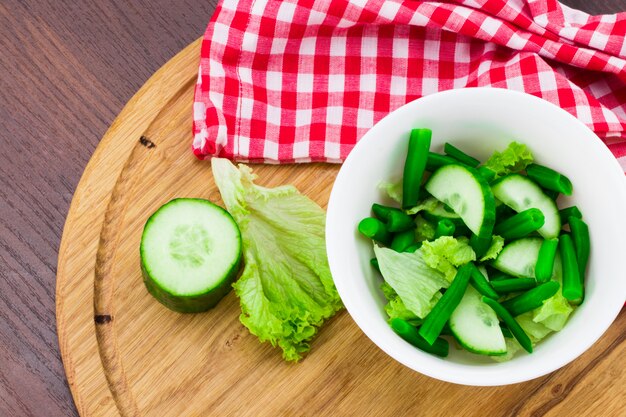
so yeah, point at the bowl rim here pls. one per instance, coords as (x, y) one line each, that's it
(435, 367)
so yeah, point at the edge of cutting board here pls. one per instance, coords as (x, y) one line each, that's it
(141, 114)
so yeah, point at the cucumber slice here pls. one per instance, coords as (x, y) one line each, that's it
(476, 326)
(521, 193)
(468, 194)
(519, 258)
(190, 254)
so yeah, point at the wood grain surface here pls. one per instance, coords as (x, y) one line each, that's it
(66, 70)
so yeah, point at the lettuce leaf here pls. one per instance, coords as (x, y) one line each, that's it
(554, 312)
(512, 347)
(286, 290)
(395, 308)
(539, 323)
(392, 189)
(428, 204)
(424, 230)
(446, 254)
(514, 158)
(389, 292)
(497, 243)
(536, 331)
(416, 284)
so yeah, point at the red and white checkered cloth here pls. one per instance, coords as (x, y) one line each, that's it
(301, 81)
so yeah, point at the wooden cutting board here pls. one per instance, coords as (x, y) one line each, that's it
(133, 357)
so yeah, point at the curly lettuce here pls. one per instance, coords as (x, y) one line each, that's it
(428, 204)
(393, 189)
(516, 157)
(497, 243)
(286, 291)
(446, 254)
(424, 230)
(395, 307)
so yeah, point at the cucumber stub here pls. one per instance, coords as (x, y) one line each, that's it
(190, 254)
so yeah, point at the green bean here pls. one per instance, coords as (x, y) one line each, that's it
(399, 221)
(554, 195)
(434, 218)
(480, 283)
(499, 276)
(382, 212)
(572, 285)
(568, 212)
(520, 225)
(446, 331)
(531, 299)
(505, 331)
(516, 330)
(436, 160)
(403, 240)
(413, 247)
(505, 286)
(414, 166)
(459, 155)
(439, 315)
(445, 227)
(410, 334)
(375, 230)
(549, 178)
(374, 263)
(480, 244)
(545, 260)
(487, 173)
(582, 243)
(396, 220)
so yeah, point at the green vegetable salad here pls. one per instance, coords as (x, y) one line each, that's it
(478, 252)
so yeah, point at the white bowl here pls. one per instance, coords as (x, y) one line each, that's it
(479, 121)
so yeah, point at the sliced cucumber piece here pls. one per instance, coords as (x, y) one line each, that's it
(521, 193)
(476, 326)
(190, 254)
(467, 193)
(519, 257)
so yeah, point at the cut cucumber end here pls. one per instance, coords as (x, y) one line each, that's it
(190, 254)
(191, 303)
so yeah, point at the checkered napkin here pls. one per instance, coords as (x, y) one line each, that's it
(302, 81)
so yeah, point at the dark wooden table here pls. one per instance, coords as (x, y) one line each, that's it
(66, 70)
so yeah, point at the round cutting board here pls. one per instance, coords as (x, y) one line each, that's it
(126, 354)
